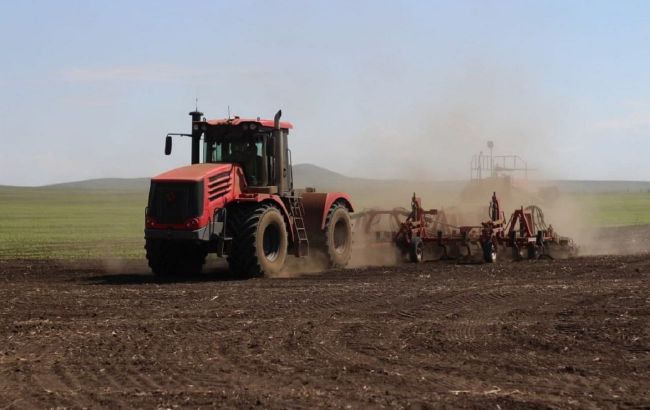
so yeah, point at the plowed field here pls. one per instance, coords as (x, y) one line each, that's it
(529, 334)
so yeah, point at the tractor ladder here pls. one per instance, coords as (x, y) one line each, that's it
(301, 243)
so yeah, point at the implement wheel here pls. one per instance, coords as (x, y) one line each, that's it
(533, 252)
(259, 245)
(489, 252)
(338, 236)
(416, 254)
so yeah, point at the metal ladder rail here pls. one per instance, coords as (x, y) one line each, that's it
(298, 213)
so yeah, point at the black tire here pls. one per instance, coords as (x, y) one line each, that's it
(166, 258)
(489, 252)
(338, 236)
(516, 253)
(533, 252)
(416, 254)
(158, 258)
(236, 216)
(260, 240)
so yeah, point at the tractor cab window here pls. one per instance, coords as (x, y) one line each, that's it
(249, 153)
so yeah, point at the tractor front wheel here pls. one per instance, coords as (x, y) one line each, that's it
(259, 241)
(167, 258)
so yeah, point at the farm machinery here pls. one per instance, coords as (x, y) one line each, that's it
(237, 199)
(428, 234)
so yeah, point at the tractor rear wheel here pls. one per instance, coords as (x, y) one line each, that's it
(338, 236)
(167, 258)
(260, 240)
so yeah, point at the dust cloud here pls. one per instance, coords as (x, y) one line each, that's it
(452, 118)
(428, 149)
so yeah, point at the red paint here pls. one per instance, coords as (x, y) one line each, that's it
(237, 121)
(234, 187)
(233, 184)
(231, 188)
(330, 199)
(194, 172)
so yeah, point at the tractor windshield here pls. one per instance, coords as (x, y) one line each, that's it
(248, 152)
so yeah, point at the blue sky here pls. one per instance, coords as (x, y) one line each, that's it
(374, 89)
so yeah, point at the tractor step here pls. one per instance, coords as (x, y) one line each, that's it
(301, 244)
(224, 245)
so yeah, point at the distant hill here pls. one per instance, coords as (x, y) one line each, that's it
(112, 184)
(366, 191)
(312, 175)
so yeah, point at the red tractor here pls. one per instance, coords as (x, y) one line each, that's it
(237, 200)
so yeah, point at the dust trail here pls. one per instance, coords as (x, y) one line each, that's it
(470, 207)
(296, 267)
(114, 265)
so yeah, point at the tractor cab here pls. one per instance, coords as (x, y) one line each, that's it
(259, 146)
(251, 143)
(248, 152)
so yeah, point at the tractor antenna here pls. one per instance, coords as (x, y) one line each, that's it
(229, 112)
(196, 103)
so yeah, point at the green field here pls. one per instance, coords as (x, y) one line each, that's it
(79, 223)
(71, 223)
(616, 209)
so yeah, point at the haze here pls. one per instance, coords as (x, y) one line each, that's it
(374, 89)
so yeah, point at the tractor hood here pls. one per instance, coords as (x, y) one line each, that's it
(195, 172)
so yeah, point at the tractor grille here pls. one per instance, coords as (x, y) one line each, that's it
(218, 185)
(175, 202)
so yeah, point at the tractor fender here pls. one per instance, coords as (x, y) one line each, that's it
(318, 204)
(273, 200)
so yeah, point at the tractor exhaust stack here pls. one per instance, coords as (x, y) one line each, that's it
(280, 154)
(196, 136)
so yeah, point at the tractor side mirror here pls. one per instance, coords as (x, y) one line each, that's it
(168, 145)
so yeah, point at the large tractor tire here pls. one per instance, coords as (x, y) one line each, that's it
(260, 240)
(167, 258)
(338, 236)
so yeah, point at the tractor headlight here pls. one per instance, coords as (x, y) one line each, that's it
(150, 222)
(253, 126)
(195, 127)
(192, 223)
